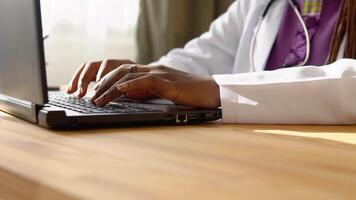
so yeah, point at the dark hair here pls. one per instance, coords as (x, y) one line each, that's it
(346, 26)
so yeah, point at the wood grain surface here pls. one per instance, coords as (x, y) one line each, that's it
(209, 161)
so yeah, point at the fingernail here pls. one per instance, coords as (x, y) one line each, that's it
(99, 100)
(122, 86)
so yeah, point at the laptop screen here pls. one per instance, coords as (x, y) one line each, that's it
(22, 70)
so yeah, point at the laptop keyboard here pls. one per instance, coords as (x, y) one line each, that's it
(84, 105)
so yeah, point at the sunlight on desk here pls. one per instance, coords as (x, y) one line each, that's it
(349, 138)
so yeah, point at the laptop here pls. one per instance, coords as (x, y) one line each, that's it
(23, 84)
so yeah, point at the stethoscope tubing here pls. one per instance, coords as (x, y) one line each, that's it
(294, 5)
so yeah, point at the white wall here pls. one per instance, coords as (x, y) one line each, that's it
(86, 30)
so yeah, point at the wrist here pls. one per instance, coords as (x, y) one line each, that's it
(217, 93)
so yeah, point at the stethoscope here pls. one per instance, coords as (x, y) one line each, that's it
(294, 5)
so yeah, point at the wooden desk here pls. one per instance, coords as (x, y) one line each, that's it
(210, 161)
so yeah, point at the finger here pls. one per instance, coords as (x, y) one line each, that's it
(152, 83)
(126, 78)
(108, 96)
(109, 65)
(88, 75)
(73, 84)
(105, 67)
(111, 78)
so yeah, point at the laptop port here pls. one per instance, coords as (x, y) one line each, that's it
(196, 116)
(181, 118)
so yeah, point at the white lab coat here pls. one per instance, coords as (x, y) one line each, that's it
(299, 95)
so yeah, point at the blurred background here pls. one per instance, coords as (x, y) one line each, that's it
(86, 30)
(140, 30)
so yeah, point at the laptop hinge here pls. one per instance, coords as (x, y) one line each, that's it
(19, 108)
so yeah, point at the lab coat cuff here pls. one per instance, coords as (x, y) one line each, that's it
(228, 100)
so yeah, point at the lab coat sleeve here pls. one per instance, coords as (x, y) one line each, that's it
(214, 51)
(300, 95)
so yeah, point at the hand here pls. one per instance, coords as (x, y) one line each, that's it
(92, 71)
(115, 75)
(179, 87)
